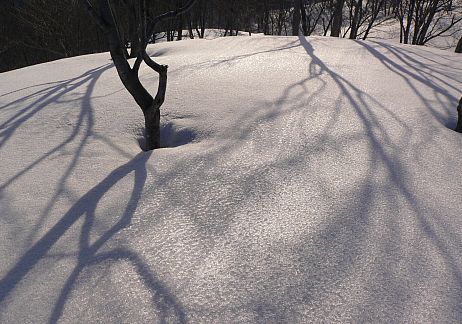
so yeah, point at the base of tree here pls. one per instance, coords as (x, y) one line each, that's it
(152, 128)
(459, 46)
(459, 120)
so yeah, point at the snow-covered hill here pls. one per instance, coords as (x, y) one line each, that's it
(305, 179)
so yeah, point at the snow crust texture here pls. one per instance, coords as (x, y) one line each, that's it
(302, 180)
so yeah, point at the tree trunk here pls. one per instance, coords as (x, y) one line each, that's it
(410, 15)
(190, 27)
(355, 23)
(305, 28)
(296, 18)
(459, 116)
(135, 44)
(337, 19)
(152, 112)
(179, 26)
(459, 46)
(266, 18)
(152, 127)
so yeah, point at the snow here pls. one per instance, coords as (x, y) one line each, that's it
(302, 180)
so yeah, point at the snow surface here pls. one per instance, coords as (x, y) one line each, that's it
(305, 180)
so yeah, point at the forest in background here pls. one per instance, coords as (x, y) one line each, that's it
(37, 31)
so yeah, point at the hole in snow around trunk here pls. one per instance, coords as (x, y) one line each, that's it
(172, 135)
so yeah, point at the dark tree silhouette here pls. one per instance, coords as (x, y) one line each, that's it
(337, 18)
(296, 18)
(459, 113)
(459, 46)
(144, 24)
(422, 20)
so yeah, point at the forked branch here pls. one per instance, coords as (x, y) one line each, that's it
(105, 18)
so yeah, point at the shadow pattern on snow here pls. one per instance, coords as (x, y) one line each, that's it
(84, 209)
(324, 259)
(329, 256)
(414, 72)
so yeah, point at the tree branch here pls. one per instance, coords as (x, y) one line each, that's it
(153, 65)
(136, 65)
(162, 70)
(452, 24)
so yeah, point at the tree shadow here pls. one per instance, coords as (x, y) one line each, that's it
(384, 152)
(84, 209)
(83, 127)
(230, 61)
(325, 258)
(328, 257)
(88, 253)
(423, 71)
(47, 96)
(44, 97)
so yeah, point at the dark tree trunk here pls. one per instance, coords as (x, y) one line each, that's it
(355, 22)
(152, 127)
(410, 15)
(179, 27)
(135, 44)
(459, 46)
(152, 112)
(296, 18)
(305, 28)
(266, 18)
(459, 116)
(203, 16)
(190, 27)
(337, 19)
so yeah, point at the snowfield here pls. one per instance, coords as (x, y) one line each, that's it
(303, 180)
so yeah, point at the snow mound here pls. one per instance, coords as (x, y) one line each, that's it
(302, 180)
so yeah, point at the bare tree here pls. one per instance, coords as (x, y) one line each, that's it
(337, 18)
(327, 17)
(354, 25)
(312, 14)
(424, 20)
(104, 16)
(37, 31)
(364, 16)
(296, 18)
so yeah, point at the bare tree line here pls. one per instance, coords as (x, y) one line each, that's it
(36, 31)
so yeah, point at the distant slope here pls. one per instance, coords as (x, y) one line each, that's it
(306, 179)
(390, 31)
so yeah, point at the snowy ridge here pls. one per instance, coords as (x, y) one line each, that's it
(305, 179)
